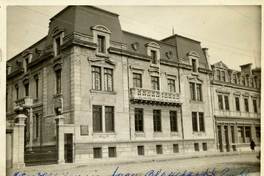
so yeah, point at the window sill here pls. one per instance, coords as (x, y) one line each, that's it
(196, 101)
(154, 65)
(105, 55)
(103, 133)
(103, 92)
(139, 134)
(195, 73)
(174, 133)
(199, 133)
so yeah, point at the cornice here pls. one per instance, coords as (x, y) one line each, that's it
(231, 85)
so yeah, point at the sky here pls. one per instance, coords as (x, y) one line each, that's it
(232, 33)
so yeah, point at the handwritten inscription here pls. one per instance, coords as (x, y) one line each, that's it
(152, 172)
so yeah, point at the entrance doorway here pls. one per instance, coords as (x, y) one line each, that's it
(68, 148)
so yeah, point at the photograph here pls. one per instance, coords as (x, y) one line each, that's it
(133, 90)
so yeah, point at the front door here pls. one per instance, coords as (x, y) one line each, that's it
(68, 147)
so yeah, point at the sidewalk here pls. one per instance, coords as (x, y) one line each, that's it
(140, 159)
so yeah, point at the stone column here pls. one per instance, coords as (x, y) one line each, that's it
(30, 112)
(18, 141)
(223, 137)
(253, 132)
(60, 138)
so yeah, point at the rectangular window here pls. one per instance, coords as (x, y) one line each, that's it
(58, 81)
(101, 44)
(234, 79)
(159, 149)
(58, 46)
(153, 55)
(204, 146)
(199, 92)
(237, 103)
(17, 91)
(137, 80)
(171, 85)
(226, 102)
(26, 89)
(37, 87)
(111, 152)
(157, 120)
(196, 147)
(220, 102)
(258, 133)
(248, 134)
(97, 152)
(155, 83)
(173, 121)
(223, 78)
(96, 78)
(109, 119)
(201, 121)
(194, 65)
(246, 104)
(194, 122)
(175, 148)
(140, 150)
(139, 121)
(218, 75)
(192, 89)
(108, 79)
(97, 118)
(255, 105)
(84, 130)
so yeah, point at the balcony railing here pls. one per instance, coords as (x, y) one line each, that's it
(146, 95)
(24, 102)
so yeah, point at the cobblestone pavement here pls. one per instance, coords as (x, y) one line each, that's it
(237, 164)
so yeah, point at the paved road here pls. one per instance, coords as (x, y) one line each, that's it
(243, 164)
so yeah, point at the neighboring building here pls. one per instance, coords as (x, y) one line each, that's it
(90, 90)
(236, 104)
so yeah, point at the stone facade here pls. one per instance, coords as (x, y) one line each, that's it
(87, 101)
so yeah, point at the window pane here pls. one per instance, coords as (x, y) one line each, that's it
(255, 105)
(226, 103)
(218, 74)
(194, 121)
(109, 119)
(175, 148)
(97, 118)
(196, 147)
(26, 89)
(137, 80)
(173, 121)
(140, 150)
(108, 79)
(194, 67)
(159, 149)
(155, 82)
(192, 90)
(58, 81)
(237, 103)
(246, 105)
(101, 44)
(97, 152)
(223, 76)
(153, 56)
(199, 92)
(58, 45)
(84, 130)
(112, 152)
(201, 121)
(139, 122)
(220, 102)
(157, 120)
(96, 78)
(171, 85)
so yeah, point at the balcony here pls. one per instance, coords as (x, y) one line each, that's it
(25, 102)
(147, 96)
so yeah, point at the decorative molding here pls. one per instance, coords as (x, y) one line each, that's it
(237, 93)
(222, 91)
(56, 31)
(101, 28)
(136, 67)
(135, 46)
(101, 60)
(193, 54)
(153, 45)
(195, 79)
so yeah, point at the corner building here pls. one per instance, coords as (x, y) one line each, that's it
(236, 104)
(89, 90)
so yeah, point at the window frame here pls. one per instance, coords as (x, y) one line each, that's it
(137, 79)
(237, 104)
(108, 79)
(173, 121)
(109, 118)
(99, 115)
(139, 117)
(157, 121)
(171, 85)
(246, 105)
(101, 44)
(155, 81)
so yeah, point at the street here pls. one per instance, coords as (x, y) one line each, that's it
(243, 164)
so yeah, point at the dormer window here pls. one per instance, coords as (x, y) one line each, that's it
(153, 55)
(101, 44)
(27, 59)
(194, 65)
(101, 36)
(153, 50)
(58, 34)
(26, 86)
(223, 78)
(218, 75)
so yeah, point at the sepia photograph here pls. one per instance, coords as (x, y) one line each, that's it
(94, 90)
